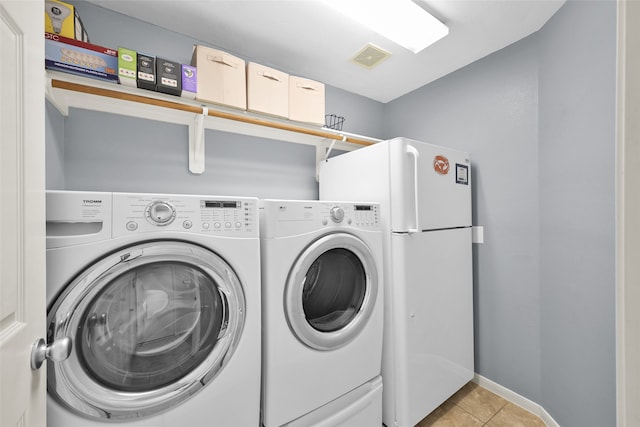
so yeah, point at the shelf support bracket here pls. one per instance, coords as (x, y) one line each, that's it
(56, 101)
(196, 143)
(322, 152)
(333, 142)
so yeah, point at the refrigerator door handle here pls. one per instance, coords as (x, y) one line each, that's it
(413, 152)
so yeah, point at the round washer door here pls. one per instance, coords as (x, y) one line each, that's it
(151, 325)
(331, 291)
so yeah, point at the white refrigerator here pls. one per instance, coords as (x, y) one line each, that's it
(424, 193)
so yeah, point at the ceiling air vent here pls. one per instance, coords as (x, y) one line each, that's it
(370, 56)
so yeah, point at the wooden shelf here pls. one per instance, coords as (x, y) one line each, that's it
(66, 90)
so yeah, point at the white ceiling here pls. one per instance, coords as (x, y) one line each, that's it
(309, 39)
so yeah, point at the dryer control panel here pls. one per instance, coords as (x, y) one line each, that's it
(361, 215)
(210, 215)
(291, 217)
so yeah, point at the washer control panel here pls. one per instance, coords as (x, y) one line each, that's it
(221, 216)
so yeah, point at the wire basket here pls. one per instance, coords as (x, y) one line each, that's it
(331, 121)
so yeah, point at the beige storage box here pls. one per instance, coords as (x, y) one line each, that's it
(267, 90)
(221, 77)
(306, 100)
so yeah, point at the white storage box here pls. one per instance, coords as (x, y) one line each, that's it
(267, 90)
(306, 100)
(221, 77)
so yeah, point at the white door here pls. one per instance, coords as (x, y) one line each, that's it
(22, 212)
(628, 210)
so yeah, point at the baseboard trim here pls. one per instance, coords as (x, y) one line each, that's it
(516, 399)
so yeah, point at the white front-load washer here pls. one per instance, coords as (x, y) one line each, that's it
(322, 312)
(159, 296)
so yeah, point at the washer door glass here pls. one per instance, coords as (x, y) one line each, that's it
(331, 291)
(151, 325)
(154, 316)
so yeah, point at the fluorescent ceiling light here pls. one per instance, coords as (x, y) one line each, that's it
(401, 21)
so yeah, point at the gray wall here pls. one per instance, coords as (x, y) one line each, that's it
(490, 109)
(538, 119)
(577, 213)
(103, 152)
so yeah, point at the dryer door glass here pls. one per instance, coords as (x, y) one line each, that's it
(152, 324)
(334, 290)
(152, 317)
(331, 291)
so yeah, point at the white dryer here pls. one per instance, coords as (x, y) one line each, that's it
(159, 296)
(322, 313)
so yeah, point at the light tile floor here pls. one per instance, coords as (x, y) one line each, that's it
(475, 406)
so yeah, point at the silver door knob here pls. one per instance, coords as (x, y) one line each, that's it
(58, 351)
